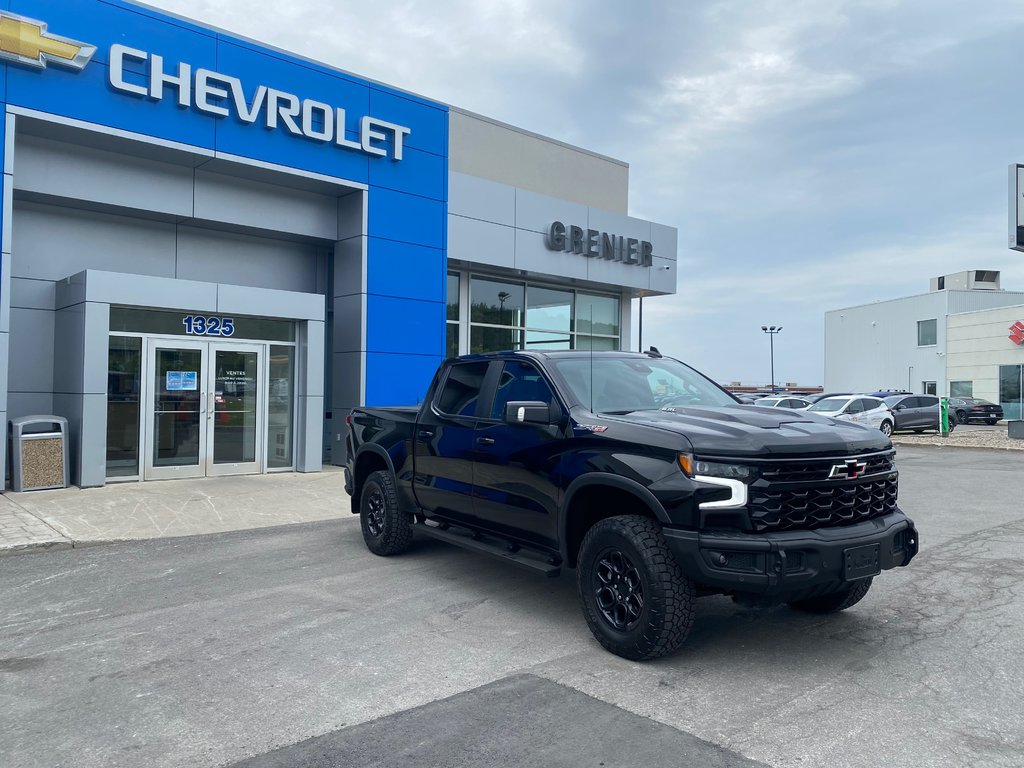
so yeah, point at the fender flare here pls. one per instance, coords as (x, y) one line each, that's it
(376, 450)
(603, 478)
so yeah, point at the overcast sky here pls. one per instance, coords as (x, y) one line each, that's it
(813, 154)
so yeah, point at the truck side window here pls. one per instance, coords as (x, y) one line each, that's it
(461, 389)
(519, 381)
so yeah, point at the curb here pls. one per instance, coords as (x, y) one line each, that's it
(34, 547)
(954, 446)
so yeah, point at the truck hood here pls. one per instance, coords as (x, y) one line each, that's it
(745, 430)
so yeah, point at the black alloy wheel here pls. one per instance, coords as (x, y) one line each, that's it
(961, 417)
(636, 599)
(619, 590)
(387, 530)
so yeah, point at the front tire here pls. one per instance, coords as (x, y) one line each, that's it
(387, 530)
(961, 417)
(635, 598)
(886, 428)
(835, 601)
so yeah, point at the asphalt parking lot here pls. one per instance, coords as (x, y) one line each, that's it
(294, 646)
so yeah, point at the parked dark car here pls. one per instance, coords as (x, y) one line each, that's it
(968, 409)
(917, 412)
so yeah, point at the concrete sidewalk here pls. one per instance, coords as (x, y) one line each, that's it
(73, 517)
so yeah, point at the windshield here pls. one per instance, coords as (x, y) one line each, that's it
(623, 385)
(829, 404)
(893, 400)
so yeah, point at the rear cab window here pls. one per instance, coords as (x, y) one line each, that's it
(460, 392)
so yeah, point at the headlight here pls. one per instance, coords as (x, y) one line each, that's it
(730, 471)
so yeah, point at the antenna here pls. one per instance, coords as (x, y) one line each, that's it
(591, 357)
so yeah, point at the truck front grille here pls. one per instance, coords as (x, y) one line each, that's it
(802, 471)
(821, 506)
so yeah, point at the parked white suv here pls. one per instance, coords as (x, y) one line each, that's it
(869, 411)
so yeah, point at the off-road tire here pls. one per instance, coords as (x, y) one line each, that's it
(387, 530)
(886, 428)
(834, 602)
(667, 596)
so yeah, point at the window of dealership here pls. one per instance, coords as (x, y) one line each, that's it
(488, 314)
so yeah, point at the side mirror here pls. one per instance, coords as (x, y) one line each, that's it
(527, 412)
(899, 407)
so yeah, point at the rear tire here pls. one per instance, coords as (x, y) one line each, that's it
(961, 417)
(992, 422)
(835, 601)
(886, 428)
(635, 598)
(387, 530)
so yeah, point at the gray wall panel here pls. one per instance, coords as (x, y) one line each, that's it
(264, 301)
(665, 240)
(84, 173)
(30, 361)
(310, 452)
(51, 243)
(349, 272)
(536, 212)
(69, 351)
(227, 257)
(491, 150)
(616, 273)
(481, 242)
(618, 224)
(264, 206)
(314, 354)
(478, 198)
(5, 339)
(29, 404)
(351, 215)
(32, 294)
(661, 279)
(136, 290)
(348, 331)
(534, 257)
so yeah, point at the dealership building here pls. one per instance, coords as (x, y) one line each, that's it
(963, 338)
(212, 249)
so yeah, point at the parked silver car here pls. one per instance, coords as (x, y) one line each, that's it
(782, 401)
(860, 409)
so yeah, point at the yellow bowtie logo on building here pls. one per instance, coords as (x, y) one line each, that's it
(26, 41)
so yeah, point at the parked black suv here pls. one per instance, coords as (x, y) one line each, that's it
(644, 475)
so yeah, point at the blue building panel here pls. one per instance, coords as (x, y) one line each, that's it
(398, 379)
(401, 270)
(280, 145)
(431, 121)
(406, 326)
(418, 173)
(103, 24)
(406, 218)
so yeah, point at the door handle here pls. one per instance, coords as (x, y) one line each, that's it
(424, 434)
(485, 441)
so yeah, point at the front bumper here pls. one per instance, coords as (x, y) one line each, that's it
(794, 565)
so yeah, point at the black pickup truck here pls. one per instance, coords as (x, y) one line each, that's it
(649, 479)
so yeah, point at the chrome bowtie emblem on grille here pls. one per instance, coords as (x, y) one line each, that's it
(848, 470)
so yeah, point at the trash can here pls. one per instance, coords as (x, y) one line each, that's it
(1015, 429)
(39, 453)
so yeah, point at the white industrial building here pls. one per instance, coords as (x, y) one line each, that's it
(957, 339)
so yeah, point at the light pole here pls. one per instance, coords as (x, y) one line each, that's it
(771, 330)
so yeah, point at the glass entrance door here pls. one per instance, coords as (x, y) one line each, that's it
(176, 401)
(235, 416)
(205, 409)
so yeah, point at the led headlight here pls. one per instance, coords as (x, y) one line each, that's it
(735, 477)
(731, 471)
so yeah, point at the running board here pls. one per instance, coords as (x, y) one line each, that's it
(466, 541)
